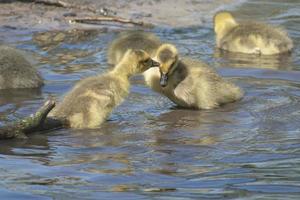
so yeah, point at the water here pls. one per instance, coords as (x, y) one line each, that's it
(149, 149)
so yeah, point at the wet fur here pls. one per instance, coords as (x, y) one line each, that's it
(192, 84)
(92, 99)
(16, 71)
(132, 40)
(250, 37)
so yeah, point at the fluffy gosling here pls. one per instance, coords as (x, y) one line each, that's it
(249, 37)
(92, 99)
(189, 83)
(16, 71)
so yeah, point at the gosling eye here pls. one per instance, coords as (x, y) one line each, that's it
(147, 62)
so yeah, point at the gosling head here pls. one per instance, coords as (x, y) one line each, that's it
(223, 21)
(141, 59)
(167, 56)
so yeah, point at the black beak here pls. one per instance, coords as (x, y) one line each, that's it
(155, 63)
(163, 80)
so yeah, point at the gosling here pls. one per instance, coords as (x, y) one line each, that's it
(249, 37)
(16, 71)
(189, 83)
(132, 40)
(92, 99)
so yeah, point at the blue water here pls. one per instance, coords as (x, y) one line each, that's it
(149, 149)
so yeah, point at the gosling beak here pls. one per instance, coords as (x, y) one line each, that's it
(155, 63)
(163, 80)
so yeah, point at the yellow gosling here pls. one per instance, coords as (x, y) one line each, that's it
(189, 83)
(249, 37)
(92, 99)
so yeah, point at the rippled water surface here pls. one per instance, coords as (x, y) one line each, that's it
(149, 149)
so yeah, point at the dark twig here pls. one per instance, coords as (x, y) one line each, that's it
(93, 19)
(30, 124)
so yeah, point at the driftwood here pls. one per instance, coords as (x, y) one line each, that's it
(94, 19)
(30, 124)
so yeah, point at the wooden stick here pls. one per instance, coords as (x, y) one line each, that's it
(30, 124)
(90, 20)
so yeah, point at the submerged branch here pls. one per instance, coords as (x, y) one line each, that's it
(30, 124)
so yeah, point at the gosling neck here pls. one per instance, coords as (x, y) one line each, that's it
(125, 68)
(174, 66)
(224, 30)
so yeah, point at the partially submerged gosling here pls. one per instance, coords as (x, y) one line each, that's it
(16, 71)
(189, 83)
(249, 37)
(132, 40)
(92, 99)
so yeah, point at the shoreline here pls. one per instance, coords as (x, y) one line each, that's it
(160, 13)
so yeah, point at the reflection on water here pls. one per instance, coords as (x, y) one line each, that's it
(149, 149)
(240, 60)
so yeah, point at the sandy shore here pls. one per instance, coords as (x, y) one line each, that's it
(173, 13)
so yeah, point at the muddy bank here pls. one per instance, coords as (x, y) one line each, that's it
(178, 13)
